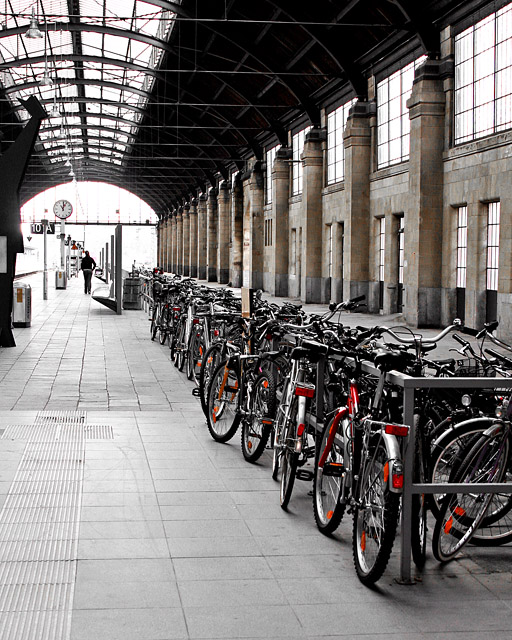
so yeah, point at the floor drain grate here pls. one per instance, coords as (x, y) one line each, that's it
(39, 526)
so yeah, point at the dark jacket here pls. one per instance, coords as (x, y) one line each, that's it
(88, 263)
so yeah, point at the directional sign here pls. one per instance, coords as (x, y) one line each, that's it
(37, 228)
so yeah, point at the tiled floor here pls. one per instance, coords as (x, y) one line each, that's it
(177, 536)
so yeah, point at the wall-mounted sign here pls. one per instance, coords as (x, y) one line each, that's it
(38, 228)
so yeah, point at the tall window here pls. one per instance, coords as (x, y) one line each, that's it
(483, 77)
(268, 232)
(336, 121)
(330, 241)
(382, 257)
(393, 125)
(297, 169)
(493, 245)
(382, 247)
(462, 246)
(270, 156)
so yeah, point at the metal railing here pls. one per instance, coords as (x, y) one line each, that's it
(409, 386)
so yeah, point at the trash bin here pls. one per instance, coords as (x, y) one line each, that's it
(131, 293)
(60, 279)
(21, 305)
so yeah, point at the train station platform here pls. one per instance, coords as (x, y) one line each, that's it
(123, 520)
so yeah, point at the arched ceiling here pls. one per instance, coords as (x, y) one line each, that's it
(160, 97)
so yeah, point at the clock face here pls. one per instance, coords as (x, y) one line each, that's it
(62, 209)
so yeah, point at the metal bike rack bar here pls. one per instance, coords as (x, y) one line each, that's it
(409, 386)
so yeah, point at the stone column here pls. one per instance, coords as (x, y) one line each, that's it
(158, 244)
(179, 242)
(211, 232)
(311, 285)
(357, 141)
(173, 264)
(168, 244)
(201, 237)
(237, 212)
(253, 227)
(193, 239)
(280, 229)
(224, 212)
(186, 240)
(423, 222)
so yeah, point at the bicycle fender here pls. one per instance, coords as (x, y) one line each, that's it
(394, 457)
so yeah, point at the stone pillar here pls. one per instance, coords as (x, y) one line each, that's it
(237, 213)
(201, 237)
(224, 212)
(192, 270)
(311, 285)
(423, 222)
(173, 264)
(163, 239)
(158, 244)
(280, 229)
(186, 240)
(179, 242)
(168, 244)
(211, 233)
(253, 227)
(357, 142)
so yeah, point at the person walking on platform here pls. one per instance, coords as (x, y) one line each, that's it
(88, 264)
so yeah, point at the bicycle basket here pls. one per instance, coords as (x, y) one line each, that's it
(472, 368)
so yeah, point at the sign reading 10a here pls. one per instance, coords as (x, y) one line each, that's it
(38, 227)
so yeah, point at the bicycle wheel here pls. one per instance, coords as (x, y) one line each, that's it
(180, 348)
(223, 416)
(211, 361)
(329, 476)
(155, 321)
(375, 515)
(461, 514)
(289, 456)
(278, 431)
(419, 503)
(257, 424)
(195, 353)
(445, 453)
(164, 320)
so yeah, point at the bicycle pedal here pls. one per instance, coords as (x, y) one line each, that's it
(304, 474)
(196, 392)
(334, 469)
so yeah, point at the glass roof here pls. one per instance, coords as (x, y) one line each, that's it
(77, 69)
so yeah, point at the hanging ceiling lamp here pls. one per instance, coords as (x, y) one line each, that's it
(46, 80)
(54, 113)
(33, 30)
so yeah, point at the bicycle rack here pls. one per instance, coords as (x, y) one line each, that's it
(409, 385)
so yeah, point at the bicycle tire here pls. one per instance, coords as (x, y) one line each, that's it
(446, 450)
(212, 359)
(327, 489)
(162, 337)
(374, 527)
(262, 406)
(461, 514)
(223, 417)
(419, 503)
(155, 321)
(277, 431)
(195, 354)
(179, 355)
(289, 457)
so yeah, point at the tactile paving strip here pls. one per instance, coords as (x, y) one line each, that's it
(39, 526)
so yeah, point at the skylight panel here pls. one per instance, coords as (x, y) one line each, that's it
(116, 47)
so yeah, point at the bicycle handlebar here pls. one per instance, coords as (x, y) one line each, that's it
(457, 324)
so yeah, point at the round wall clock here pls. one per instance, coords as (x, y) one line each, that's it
(62, 209)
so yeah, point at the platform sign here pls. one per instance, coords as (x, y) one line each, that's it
(38, 228)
